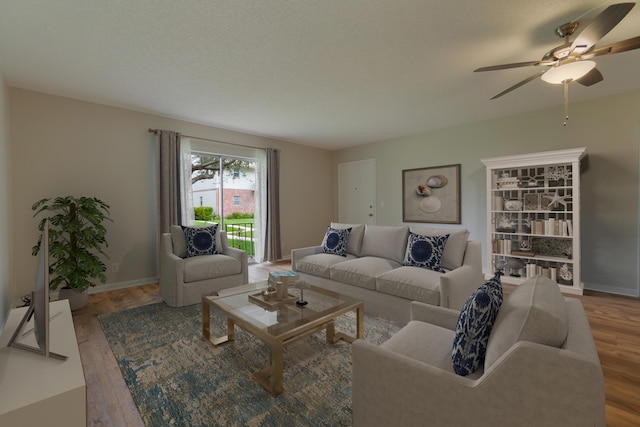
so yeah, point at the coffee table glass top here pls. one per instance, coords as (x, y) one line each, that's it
(287, 316)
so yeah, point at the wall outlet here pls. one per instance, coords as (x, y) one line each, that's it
(115, 267)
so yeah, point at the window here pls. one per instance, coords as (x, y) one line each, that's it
(228, 185)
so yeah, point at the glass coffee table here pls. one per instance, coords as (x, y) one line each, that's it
(280, 323)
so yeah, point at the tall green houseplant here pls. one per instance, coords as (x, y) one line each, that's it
(76, 239)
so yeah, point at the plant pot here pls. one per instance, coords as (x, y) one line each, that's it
(77, 300)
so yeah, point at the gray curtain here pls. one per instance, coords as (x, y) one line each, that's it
(168, 180)
(272, 249)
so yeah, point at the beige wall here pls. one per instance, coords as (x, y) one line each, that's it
(61, 146)
(6, 291)
(608, 127)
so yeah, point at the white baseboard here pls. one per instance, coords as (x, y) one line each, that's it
(122, 285)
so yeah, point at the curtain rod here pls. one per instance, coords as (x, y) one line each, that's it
(155, 132)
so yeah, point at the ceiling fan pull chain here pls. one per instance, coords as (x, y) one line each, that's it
(566, 102)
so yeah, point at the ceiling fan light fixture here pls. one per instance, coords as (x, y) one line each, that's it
(568, 72)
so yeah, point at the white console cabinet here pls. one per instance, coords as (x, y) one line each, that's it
(42, 391)
(533, 216)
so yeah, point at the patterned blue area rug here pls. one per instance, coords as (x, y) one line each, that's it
(177, 378)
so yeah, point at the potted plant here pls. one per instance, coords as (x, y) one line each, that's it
(76, 240)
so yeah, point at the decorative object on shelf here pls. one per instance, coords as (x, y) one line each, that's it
(515, 265)
(505, 224)
(77, 236)
(525, 245)
(526, 225)
(557, 173)
(500, 264)
(431, 194)
(532, 202)
(565, 275)
(551, 247)
(302, 285)
(513, 205)
(553, 200)
(507, 181)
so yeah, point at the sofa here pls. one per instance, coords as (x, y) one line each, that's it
(184, 279)
(541, 368)
(372, 268)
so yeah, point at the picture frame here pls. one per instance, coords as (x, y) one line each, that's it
(431, 194)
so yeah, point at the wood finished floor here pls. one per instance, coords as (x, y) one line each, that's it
(614, 323)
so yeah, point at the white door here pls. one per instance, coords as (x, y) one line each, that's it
(357, 192)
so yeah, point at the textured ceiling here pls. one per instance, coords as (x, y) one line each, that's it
(325, 73)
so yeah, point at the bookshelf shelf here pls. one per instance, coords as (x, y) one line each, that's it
(533, 216)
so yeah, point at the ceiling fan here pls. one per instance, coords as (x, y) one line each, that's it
(572, 61)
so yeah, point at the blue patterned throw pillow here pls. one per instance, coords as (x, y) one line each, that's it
(474, 326)
(335, 241)
(200, 240)
(425, 251)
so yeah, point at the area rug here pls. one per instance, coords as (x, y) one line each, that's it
(177, 378)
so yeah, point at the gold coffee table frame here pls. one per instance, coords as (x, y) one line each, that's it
(282, 326)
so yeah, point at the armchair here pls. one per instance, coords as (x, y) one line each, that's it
(527, 380)
(183, 281)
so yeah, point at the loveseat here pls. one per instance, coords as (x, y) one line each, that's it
(541, 368)
(371, 267)
(184, 279)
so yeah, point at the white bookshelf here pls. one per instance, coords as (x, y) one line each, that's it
(37, 390)
(533, 216)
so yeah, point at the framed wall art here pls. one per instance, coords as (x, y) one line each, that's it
(431, 194)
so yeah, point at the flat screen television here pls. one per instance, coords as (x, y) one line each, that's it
(39, 307)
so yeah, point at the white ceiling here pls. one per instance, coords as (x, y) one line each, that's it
(332, 73)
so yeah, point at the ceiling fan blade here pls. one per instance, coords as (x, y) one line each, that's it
(621, 46)
(517, 85)
(600, 26)
(506, 66)
(592, 77)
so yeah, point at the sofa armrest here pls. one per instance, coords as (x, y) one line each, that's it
(436, 315)
(296, 254)
(171, 271)
(390, 389)
(456, 286)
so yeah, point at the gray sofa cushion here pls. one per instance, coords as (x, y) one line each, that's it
(414, 283)
(427, 343)
(385, 242)
(320, 264)
(205, 267)
(354, 245)
(535, 312)
(362, 272)
(453, 254)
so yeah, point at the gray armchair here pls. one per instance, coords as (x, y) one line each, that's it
(183, 281)
(533, 374)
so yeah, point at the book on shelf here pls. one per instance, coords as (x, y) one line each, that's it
(523, 253)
